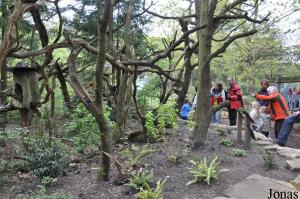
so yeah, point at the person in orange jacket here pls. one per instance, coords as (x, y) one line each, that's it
(278, 106)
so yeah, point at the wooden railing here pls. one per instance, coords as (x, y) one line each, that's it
(244, 116)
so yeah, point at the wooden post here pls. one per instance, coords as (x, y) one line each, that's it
(239, 127)
(247, 143)
(278, 83)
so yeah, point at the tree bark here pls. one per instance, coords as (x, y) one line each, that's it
(205, 39)
(10, 35)
(4, 10)
(104, 170)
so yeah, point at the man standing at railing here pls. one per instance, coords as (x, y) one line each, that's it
(264, 84)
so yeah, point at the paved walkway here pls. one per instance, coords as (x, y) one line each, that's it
(258, 187)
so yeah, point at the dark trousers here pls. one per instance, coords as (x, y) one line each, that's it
(232, 116)
(277, 127)
(287, 128)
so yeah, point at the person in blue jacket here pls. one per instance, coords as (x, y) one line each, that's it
(185, 109)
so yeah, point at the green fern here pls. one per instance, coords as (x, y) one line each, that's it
(203, 172)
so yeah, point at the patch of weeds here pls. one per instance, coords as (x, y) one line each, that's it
(186, 150)
(149, 193)
(134, 155)
(47, 180)
(226, 142)
(269, 160)
(221, 130)
(238, 152)
(174, 158)
(142, 180)
(3, 138)
(41, 194)
(204, 172)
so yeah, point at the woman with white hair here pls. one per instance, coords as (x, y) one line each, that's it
(277, 105)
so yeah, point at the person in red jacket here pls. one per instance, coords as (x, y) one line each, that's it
(234, 95)
(278, 106)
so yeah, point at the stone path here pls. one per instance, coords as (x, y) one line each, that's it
(258, 187)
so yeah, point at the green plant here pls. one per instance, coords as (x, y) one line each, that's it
(152, 131)
(238, 152)
(47, 159)
(226, 142)
(166, 116)
(47, 180)
(3, 138)
(173, 158)
(134, 155)
(83, 128)
(141, 180)
(203, 172)
(41, 194)
(149, 193)
(221, 130)
(269, 160)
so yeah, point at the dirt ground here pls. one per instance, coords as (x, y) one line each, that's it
(81, 182)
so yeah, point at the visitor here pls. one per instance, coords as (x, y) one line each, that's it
(236, 101)
(286, 129)
(296, 99)
(264, 84)
(291, 100)
(185, 110)
(217, 95)
(254, 114)
(264, 121)
(278, 107)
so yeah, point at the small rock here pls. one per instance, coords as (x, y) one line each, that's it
(293, 165)
(73, 167)
(75, 159)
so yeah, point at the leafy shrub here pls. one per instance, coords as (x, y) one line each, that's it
(41, 194)
(141, 180)
(47, 159)
(238, 152)
(149, 193)
(152, 131)
(269, 160)
(166, 116)
(83, 125)
(203, 172)
(226, 142)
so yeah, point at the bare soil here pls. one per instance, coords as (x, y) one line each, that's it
(81, 183)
